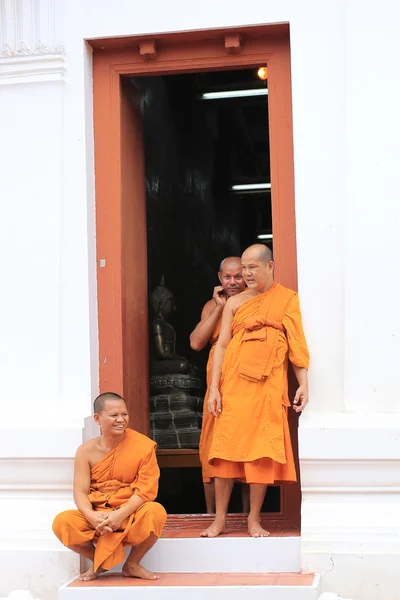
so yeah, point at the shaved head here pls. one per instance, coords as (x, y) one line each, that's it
(263, 252)
(230, 276)
(258, 267)
(100, 402)
(230, 260)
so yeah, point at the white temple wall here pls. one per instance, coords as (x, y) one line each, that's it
(346, 90)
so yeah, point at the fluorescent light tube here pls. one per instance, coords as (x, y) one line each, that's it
(234, 94)
(247, 187)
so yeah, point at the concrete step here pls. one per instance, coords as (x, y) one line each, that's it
(196, 586)
(225, 554)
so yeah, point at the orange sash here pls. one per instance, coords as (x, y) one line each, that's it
(260, 339)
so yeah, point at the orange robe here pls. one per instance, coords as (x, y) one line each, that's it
(251, 439)
(207, 427)
(129, 469)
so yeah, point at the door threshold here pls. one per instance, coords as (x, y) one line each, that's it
(190, 525)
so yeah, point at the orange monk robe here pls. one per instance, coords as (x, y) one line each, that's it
(207, 427)
(251, 439)
(129, 469)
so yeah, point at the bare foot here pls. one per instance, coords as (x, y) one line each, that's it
(255, 529)
(216, 528)
(136, 570)
(90, 574)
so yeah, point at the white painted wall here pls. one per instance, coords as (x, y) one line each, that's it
(372, 282)
(346, 90)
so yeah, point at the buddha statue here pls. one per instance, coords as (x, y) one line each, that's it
(163, 304)
(176, 391)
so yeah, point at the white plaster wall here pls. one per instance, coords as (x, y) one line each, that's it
(30, 162)
(372, 281)
(48, 347)
(346, 90)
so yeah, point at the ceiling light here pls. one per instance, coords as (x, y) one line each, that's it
(250, 187)
(265, 236)
(262, 73)
(234, 94)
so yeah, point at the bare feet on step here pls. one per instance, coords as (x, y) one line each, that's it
(255, 529)
(136, 570)
(90, 574)
(215, 529)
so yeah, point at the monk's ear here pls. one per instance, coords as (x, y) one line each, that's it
(96, 418)
(220, 277)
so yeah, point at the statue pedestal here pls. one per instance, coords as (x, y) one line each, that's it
(176, 410)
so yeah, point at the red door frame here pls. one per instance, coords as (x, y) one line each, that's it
(122, 300)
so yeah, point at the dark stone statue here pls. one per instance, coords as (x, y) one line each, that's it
(164, 334)
(176, 391)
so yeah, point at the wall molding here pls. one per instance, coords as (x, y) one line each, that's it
(28, 50)
(350, 505)
(31, 474)
(350, 475)
(41, 49)
(51, 441)
(32, 68)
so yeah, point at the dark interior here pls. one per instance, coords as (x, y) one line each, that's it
(196, 150)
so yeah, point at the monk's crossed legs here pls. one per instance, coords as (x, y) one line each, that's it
(71, 526)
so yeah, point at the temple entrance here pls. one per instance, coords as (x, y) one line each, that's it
(188, 171)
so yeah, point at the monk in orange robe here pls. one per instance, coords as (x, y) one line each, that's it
(261, 331)
(207, 330)
(115, 484)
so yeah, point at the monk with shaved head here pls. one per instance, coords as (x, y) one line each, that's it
(261, 331)
(207, 331)
(115, 485)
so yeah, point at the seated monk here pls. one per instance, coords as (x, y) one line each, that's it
(115, 482)
(261, 331)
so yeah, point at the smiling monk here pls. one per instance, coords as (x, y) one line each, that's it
(115, 482)
(261, 331)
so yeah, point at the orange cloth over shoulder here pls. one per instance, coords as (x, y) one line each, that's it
(130, 468)
(207, 427)
(251, 440)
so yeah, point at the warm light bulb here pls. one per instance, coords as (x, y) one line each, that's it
(263, 73)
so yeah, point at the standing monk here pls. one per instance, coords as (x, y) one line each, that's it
(261, 331)
(232, 283)
(115, 483)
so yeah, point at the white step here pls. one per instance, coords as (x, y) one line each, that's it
(195, 586)
(224, 554)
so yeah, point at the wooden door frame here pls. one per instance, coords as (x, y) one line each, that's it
(206, 50)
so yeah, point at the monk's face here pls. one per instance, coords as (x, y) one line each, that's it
(113, 419)
(231, 277)
(259, 276)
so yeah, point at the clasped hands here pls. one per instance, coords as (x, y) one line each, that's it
(106, 522)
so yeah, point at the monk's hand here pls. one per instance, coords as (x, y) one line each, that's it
(214, 403)
(103, 529)
(301, 398)
(96, 518)
(112, 523)
(219, 296)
